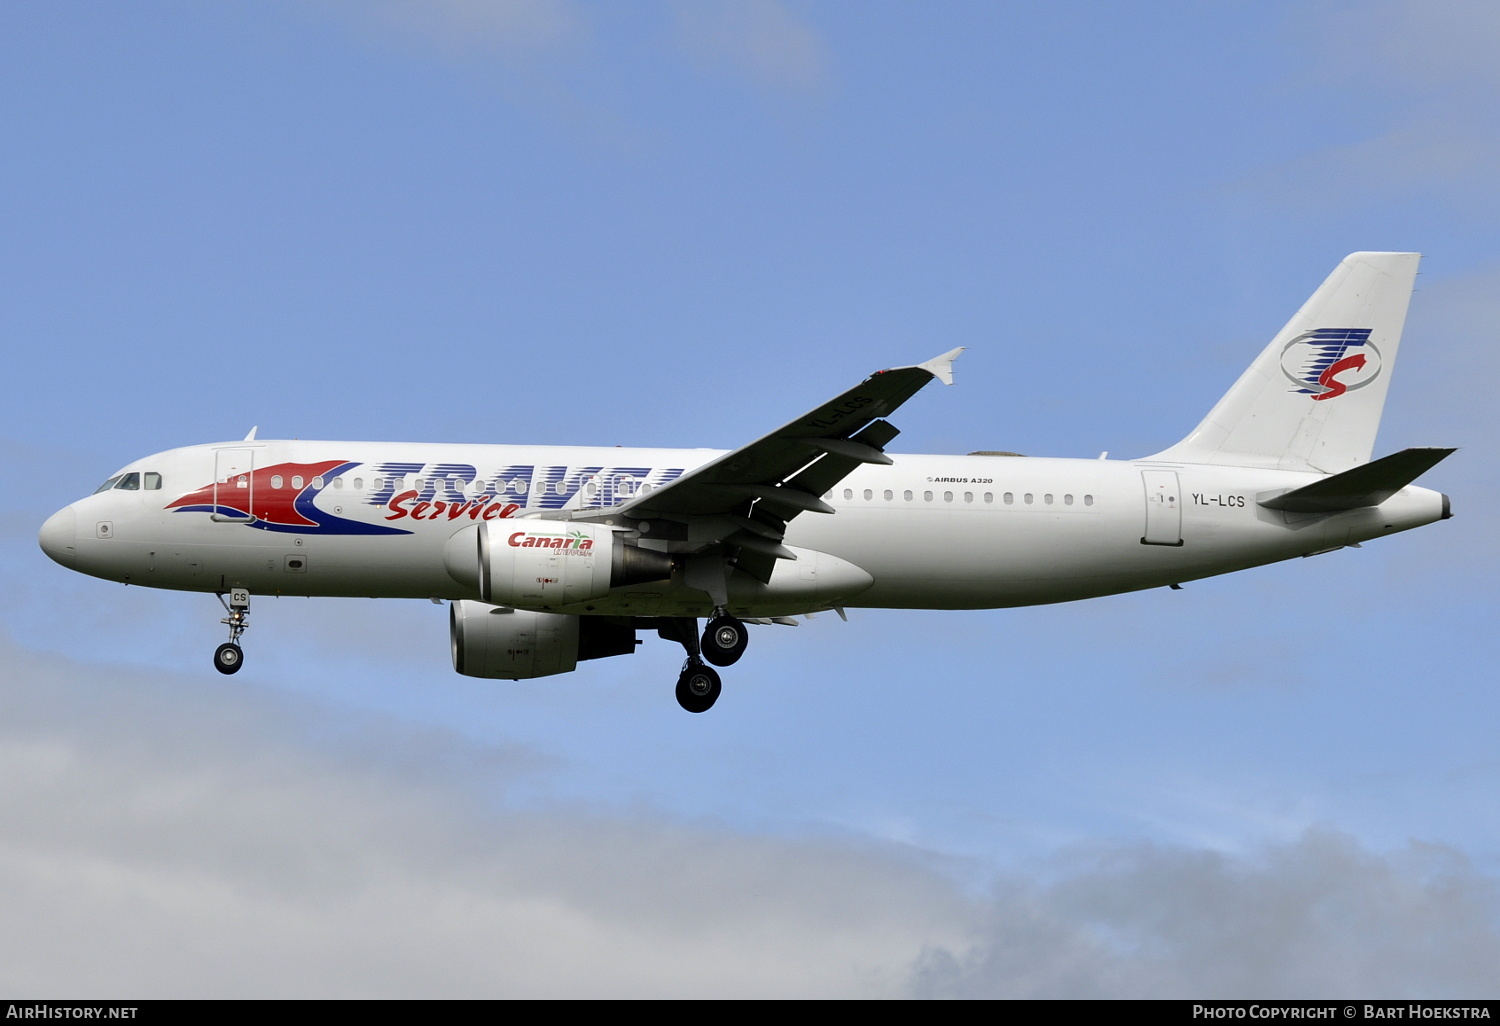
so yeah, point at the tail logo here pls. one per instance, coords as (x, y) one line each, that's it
(1327, 362)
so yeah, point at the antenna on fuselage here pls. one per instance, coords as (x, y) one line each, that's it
(251, 436)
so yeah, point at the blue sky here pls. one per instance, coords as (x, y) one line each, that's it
(680, 224)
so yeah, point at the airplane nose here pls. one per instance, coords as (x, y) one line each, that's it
(59, 536)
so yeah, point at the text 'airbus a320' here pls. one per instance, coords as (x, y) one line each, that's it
(554, 555)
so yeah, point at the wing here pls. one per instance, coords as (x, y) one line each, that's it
(743, 499)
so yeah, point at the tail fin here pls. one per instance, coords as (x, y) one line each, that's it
(1312, 400)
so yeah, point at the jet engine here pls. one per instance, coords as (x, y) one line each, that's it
(548, 562)
(495, 641)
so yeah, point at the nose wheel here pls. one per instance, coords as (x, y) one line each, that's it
(229, 657)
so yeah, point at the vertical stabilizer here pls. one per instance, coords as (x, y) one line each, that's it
(1312, 400)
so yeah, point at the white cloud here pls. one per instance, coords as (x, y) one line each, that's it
(167, 839)
(1318, 917)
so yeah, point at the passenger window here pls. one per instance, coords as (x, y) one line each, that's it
(1067, 500)
(1047, 498)
(1010, 498)
(869, 495)
(989, 496)
(906, 495)
(889, 495)
(926, 496)
(1088, 500)
(519, 487)
(275, 480)
(1027, 497)
(297, 482)
(559, 488)
(377, 483)
(318, 482)
(358, 484)
(968, 496)
(848, 493)
(106, 486)
(130, 482)
(338, 483)
(153, 481)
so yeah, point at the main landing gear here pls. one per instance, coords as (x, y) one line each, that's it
(724, 640)
(698, 687)
(722, 643)
(229, 657)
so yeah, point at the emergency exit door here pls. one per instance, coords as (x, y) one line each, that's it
(234, 486)
(1163, 508)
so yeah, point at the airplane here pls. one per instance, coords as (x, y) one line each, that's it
(551, 556)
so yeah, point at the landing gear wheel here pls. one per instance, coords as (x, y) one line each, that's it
(724, 640)
(228, 658)
(698, 688)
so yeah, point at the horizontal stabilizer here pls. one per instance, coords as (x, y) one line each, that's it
(1367, 485)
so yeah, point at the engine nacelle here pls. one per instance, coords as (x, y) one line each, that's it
(546, 563)
(494, 641)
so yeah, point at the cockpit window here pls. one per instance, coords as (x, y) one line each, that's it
(106, 486)
(130, 482)
(153, 481)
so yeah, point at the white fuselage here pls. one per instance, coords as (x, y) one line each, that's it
(936, 532)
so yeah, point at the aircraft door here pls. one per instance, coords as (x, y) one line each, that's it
(234, 486)
(1163, 508)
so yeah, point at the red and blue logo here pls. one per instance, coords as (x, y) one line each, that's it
(1327, 362)
(279, 498)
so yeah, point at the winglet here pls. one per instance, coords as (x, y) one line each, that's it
(251, 436)
(941, 367)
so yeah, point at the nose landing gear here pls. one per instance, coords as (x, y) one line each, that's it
(229, 657)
